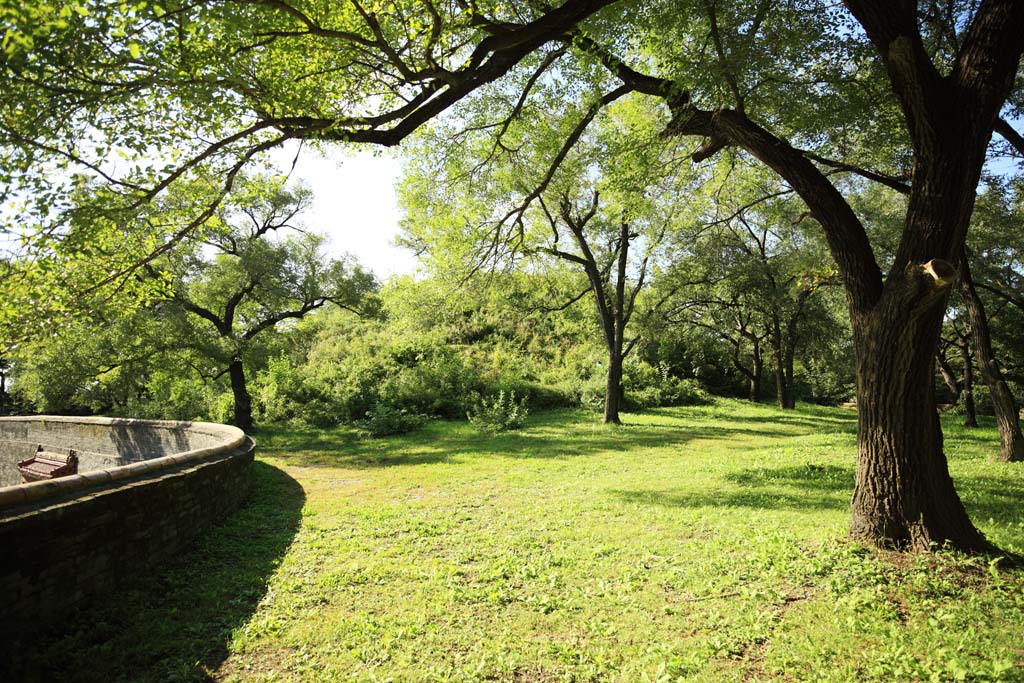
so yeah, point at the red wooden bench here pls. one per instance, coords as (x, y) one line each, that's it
(45, 465)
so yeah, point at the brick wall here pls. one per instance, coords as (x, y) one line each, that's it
(56, 554)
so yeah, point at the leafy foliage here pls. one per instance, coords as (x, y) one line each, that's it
(385, 420)
(498, 413)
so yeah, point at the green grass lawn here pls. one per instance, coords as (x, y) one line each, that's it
(692, 544)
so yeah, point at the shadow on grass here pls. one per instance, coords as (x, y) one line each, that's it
(828, 487)
(176, 622)
(805, 417)
(998, 499)
(802, 487)
(808, 476)
(554, 434)
(452, 445)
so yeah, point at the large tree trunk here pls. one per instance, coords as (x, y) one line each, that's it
(970, 413)
(243, 401)
(903, 496)
(1011, 442)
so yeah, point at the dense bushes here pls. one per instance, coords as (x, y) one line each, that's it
(358, 370)
(387, 375)
(419, 360)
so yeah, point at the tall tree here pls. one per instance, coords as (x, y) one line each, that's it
(253, 282)
(1003, 402)
(998, 232)
(764, 266)
(604, 213)
(614, 295)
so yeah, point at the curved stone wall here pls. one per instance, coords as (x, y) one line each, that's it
(144, 489)
(103, 442)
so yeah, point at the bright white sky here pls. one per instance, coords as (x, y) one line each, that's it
(354, 204)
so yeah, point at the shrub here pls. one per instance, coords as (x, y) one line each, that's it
(683, 392)
(433, 382)
(824, 383)
(592, 392)
(385, 420)
(650, 386)
(283, 394)
(498, 413)
(538, 396)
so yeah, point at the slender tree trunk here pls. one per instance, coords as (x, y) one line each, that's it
(952, 383)
(756, 373)
(784, 352)
(613, 389)
(970, 413)
(243, 401)
(1011, 442)
(784, 393)
(789, 395)
(617, 328)
(791, 339)
(780, 377)
(780, 385)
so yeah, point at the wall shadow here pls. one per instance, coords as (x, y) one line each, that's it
(135, 441)
(175, 623)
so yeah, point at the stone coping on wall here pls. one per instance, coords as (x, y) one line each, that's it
(229, 438)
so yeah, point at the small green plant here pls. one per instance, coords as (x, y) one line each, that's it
(385, 420)
(499, 413)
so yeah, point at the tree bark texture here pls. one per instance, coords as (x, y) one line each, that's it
(1011, 442)
(904, 496)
